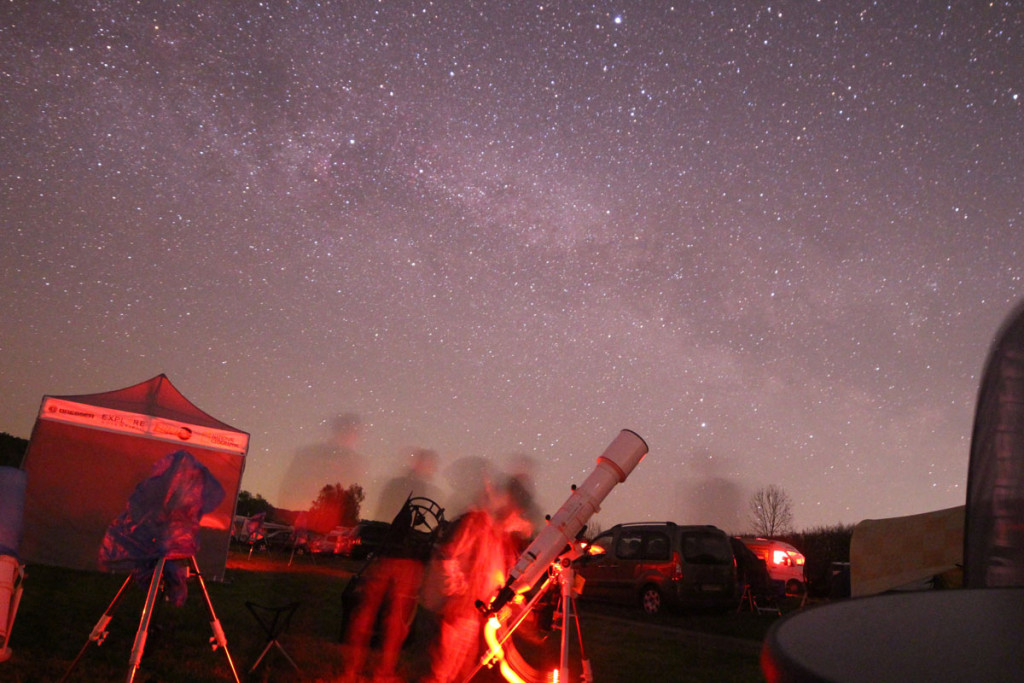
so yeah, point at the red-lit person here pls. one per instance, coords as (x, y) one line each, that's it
(391, 581)
(481, 546)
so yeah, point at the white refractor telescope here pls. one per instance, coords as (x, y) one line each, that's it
(613, 466)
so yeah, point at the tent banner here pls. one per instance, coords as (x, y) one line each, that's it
(126, 422)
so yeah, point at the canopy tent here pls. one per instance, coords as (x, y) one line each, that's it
(88, 453)
(897, 552)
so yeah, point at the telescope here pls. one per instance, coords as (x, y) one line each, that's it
(550, 558)
(613, 466)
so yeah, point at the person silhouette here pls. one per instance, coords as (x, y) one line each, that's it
(391, 581)
(334, 461)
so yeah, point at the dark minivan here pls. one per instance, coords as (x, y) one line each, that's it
(659, 564)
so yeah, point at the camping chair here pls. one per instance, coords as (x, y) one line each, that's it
(254, 535)
(761, 603)
(156, 538)
(274, 621)
(302, 544)
(758, 595)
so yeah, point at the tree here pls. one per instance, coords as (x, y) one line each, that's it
(249, 505)
(12, 450)
(771, 511)
(335, 506)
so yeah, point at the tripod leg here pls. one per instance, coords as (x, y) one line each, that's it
(270, 643)
(569, 613)
(286, 656)
(587, 675)
(219, 639)
(567, 606)
(99, 631)
(147, 614)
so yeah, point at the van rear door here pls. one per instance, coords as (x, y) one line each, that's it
(709, 569)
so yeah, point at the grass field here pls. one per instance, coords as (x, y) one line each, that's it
(60, 608)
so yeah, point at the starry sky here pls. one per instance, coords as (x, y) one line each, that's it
(774, 239)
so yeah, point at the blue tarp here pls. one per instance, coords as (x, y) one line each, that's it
(162, 520)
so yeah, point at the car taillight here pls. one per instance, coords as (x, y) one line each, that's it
(677, 567)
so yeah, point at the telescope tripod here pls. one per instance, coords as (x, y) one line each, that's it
(99, 631)
(571, 617)
(502, 651)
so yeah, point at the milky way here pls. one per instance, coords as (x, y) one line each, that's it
(776, 240)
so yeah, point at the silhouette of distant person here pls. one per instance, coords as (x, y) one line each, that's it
(709, 494)
(392, 580)
(336, 461)
(521, 484)
(416, 481)
(465, 479)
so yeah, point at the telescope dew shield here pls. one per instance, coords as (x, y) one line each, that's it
(613, 466)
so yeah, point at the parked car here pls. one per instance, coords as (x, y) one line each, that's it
(365, 539)
(337, 541)
(278, 536)
(659, 564)
(259, 534)
(784, 562)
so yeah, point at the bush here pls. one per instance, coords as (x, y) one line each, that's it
(12, 450)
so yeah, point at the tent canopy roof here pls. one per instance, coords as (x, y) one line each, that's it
(156, 397)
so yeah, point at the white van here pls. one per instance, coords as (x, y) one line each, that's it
(784, 562)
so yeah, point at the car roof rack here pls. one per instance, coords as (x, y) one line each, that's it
(668, 524)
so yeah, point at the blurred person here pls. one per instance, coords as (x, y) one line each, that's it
(390, 582)
(335, 461)
(416, 481)
(474, 558)
(465, 479)
(521, 483)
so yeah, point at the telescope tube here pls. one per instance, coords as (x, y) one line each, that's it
(613, 466)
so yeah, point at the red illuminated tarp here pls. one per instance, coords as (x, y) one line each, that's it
(89, 452)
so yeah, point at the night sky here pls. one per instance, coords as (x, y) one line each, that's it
(774, 239)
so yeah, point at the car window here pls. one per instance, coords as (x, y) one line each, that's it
(656, 546)
(628, 547)
(706, 549)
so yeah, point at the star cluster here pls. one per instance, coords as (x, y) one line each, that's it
(776, 239)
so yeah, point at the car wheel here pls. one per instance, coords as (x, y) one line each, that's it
(794, 587)
(650, 600)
